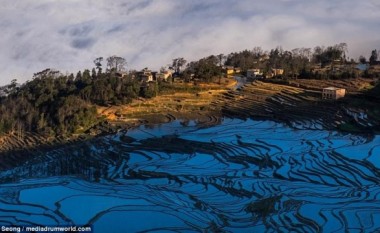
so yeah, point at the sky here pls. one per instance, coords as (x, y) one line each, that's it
(68, 35)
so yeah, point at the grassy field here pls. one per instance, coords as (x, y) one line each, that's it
(182, 99)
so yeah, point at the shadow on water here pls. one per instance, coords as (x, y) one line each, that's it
(239, 176)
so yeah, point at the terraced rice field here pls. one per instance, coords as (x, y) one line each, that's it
(292, 105)
(236, 176)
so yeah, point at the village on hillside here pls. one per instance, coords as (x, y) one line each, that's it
(54, 104)
(324, 64)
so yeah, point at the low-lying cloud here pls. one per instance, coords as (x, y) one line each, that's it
(69, 35)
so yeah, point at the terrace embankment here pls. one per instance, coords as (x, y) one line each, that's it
(188, 102)
(299, 104)
(183, 101)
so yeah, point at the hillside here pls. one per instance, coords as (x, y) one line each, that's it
(282, 85)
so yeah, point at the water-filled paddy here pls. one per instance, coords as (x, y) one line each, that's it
(238, 176)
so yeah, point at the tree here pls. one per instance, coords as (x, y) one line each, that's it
(327, 55)
(257, 52)
(317, 55)
(244, 59)
(343, 48)
(362, 60)
(51, 73)
(116, 64)
(12, 88)
(205, 69)
(221, 58)
(93, 73)
(373, 58)
(78, 76)
(178, 63)
(274, 57)
(98, 64)
(305, 53)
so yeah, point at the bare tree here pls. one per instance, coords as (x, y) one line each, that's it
(307, 53)
(98, 64)
(296, 52)
(178, 63)
(221, 57)
(257, 52)
(115, 63)
(47, 73)
(343, 48)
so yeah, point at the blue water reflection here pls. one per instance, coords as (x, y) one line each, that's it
(237, 176)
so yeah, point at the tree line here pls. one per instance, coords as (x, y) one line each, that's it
(56, 104)
(321, 62)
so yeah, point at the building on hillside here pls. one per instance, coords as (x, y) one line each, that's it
(166, 75)
(264, 57)
(147, 76)
(254, 73)
(229, 70)
(274, 73)
(237, 70)
(278, 72)
(333, 93)
(121, 74)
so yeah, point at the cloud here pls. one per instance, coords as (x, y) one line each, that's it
(83, 43)
(68, 35)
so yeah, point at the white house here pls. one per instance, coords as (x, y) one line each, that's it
(333, 93)
(253, 73)
(166, 75)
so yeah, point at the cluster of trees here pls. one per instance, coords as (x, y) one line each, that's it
(48, 104)
(206, 69)
(297, 63)
(325, 56)
(372, 59)
(177, 64)
(56, 104)
(53, 103)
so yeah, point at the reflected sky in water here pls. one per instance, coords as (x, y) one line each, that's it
(237, 176)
